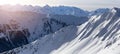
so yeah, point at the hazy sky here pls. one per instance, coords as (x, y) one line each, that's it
(84, 4)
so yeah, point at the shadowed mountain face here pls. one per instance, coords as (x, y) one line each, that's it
(11, 36)
(99, 35)
(18, 28)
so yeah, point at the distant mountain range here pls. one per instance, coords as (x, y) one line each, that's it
(60, 10)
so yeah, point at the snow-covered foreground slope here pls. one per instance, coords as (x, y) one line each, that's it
(99, 35)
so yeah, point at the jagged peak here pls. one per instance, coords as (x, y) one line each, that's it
(47, 6)
(115, 9)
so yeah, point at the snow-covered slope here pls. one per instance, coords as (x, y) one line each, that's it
(22, 27)
(99, 35)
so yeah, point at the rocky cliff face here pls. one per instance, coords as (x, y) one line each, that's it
(11, 36)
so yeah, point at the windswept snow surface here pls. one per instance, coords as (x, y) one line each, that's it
(99, 35)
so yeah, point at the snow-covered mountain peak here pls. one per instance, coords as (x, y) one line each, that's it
(99, 35)
(58, 30)
(117, 10)
(46, 6)
(99, 11)
(114, 10)
(65, 10)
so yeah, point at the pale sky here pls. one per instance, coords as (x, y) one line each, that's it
(84, 4)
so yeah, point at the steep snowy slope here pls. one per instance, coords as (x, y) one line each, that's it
(22, 27)
(99, 35)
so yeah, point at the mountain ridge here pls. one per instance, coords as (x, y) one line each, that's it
(101, 32)
(30, 26)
